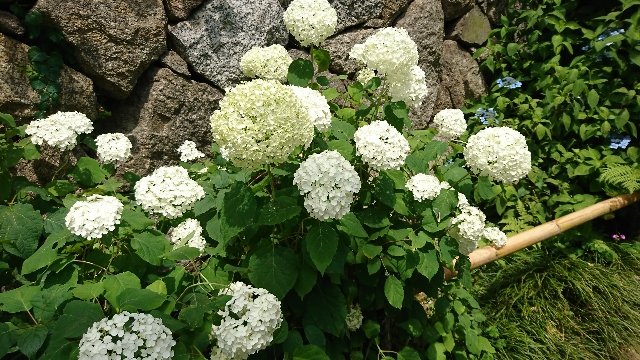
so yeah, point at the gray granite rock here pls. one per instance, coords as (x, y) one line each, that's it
(10, 24)
(390, 11)
(339, 47)
(494, 9)
(113, 40)
(460, 78)
(473, 28)
(173, 61)
(455, 8)
(20, 100)
(218, 33)
(354, 12)
(162, 112)
(424, 21)
(180, 9)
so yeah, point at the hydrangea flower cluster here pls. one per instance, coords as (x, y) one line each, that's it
(270, 63)
(168, 191)
(388, 51)
(94, 216)
(381, 145)
(310, 21)
(189, 151)
(425, 186)
(609, 32)
(113, 147)
(462, 201)
(329, 182)
(60, 129)
(186, 228)
(496, 236)
(216, 354)
(248, 321)
(354, 317)
(509, 82)
(260, 122)
(410, 88)
(486, 115)
(450, 123)
(618, 141)
(317, 106)
(500, 153)
(364, 75)
(127, 336)
(468, 228)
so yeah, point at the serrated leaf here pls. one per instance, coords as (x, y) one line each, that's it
(139, 299)
(321, 243)
(115, 284)
(158, 286)
(88, 291)
(45, 303)
(137, 220)
(239, 208)
(371, 250)
(397, 115)
(394, 291)
(278, 210)
(384, 189)
(183, 253)
(485, 188)
(21, 226)
(8, 337)
(306, 280)
(309, 352)
(593, 98)
(429, 264)
(436, 351)
(150, 247)
(300, 72)
(322, 59)
(327, 308)
(408, 354)
(55, 221)
(342, 130)
(46, 254)
(274, 268)
(444, 203)
(344, 147)
(78, 316)
(203, 205)
(31, 339)
(351, 226)
(88, 172)
(19, 299)
(448, 249)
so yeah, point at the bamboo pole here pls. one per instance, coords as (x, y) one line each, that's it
(542, 232)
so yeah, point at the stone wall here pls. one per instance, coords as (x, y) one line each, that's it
(161, 66)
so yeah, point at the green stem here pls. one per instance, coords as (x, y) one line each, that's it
(273, 185)
(66, 161)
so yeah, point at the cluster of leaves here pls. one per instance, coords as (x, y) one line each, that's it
(580, 80)
(56, 284)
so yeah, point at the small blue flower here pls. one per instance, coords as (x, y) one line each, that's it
(586, 48)
(449, 162)
(509, 82)
(601, 37)
(608, 55)
(618, 141)
(485, 115)
(598, 58)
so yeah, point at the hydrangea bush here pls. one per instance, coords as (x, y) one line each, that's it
(305, 234)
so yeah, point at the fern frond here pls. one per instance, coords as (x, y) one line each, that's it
(618, 177)
(514, 225)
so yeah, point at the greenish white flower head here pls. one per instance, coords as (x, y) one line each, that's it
(408, 87)
(364, 75)
(381, 145)
(216, 354)
(113, 147)
(317, 106)
(189, 227)
(310, 21)
(389, 51)
(260, 122)
(60, 129)
(328, 182)
(424, 186)
(168, 191)
(127, 336)
(354, 317)
(450, 124)
(500, 153)
(496, 236)
(467, 228)
(93, 217)
(269, 63)
(189, 151)
(248, 321)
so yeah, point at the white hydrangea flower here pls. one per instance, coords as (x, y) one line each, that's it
(468, 228)
(450, 123)
(354, 317)
(260, 122)
(189, 151)
(216, 354)
(317, 106)
(95, 216)
(390, 51)
(462, 201)
(381, 145)
(248, 321)
(364, 75)
(329, 182)
(186, 228)
(424, 186)
(113, 147)
(60, 129)
(270, 63)
(496, 236)
(410, 88)
(500, 153)
(310, 21)
(127, 336)
(168, 191)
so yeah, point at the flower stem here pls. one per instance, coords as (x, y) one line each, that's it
(66, 161)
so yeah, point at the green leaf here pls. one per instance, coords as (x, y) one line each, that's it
(300, 72)
(374, 217)
(485, 188)
(634, 56)
(448, 249)
(278, 210)
(21, 226)
(408, 354)
(413, 327)
(394, 291)
(150, 247)
(78, 316)
(111, 185)
(309, 352)
(7, 120)
(622, 118)
(322, 59)
(45, 303)
(8, 337)
(371, 328)
(315, 336)
(274, 268)
(342, 130)
(88, 291)
(293, 342)
(351, 226)
(429, 264)
(19, 299)
(371, 250)
(397, 115)
(203, 205)
(593, 98)
(55, 221)
(193, 315)
(417, 162)
(136, 219)
(321, 243)
(115, 284)
(512, 48)
(239, 208)
(322, 81)
(31, 339)
(436, 351)
(306, 280)
(344, 147)
(327, 308)
(471, 340)
(60, 187)
(139, 299)
(88, 172)
(384, 189)
(158, 286)
(183, 253)
(46, 254)
(444, 203)
(330, 94)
